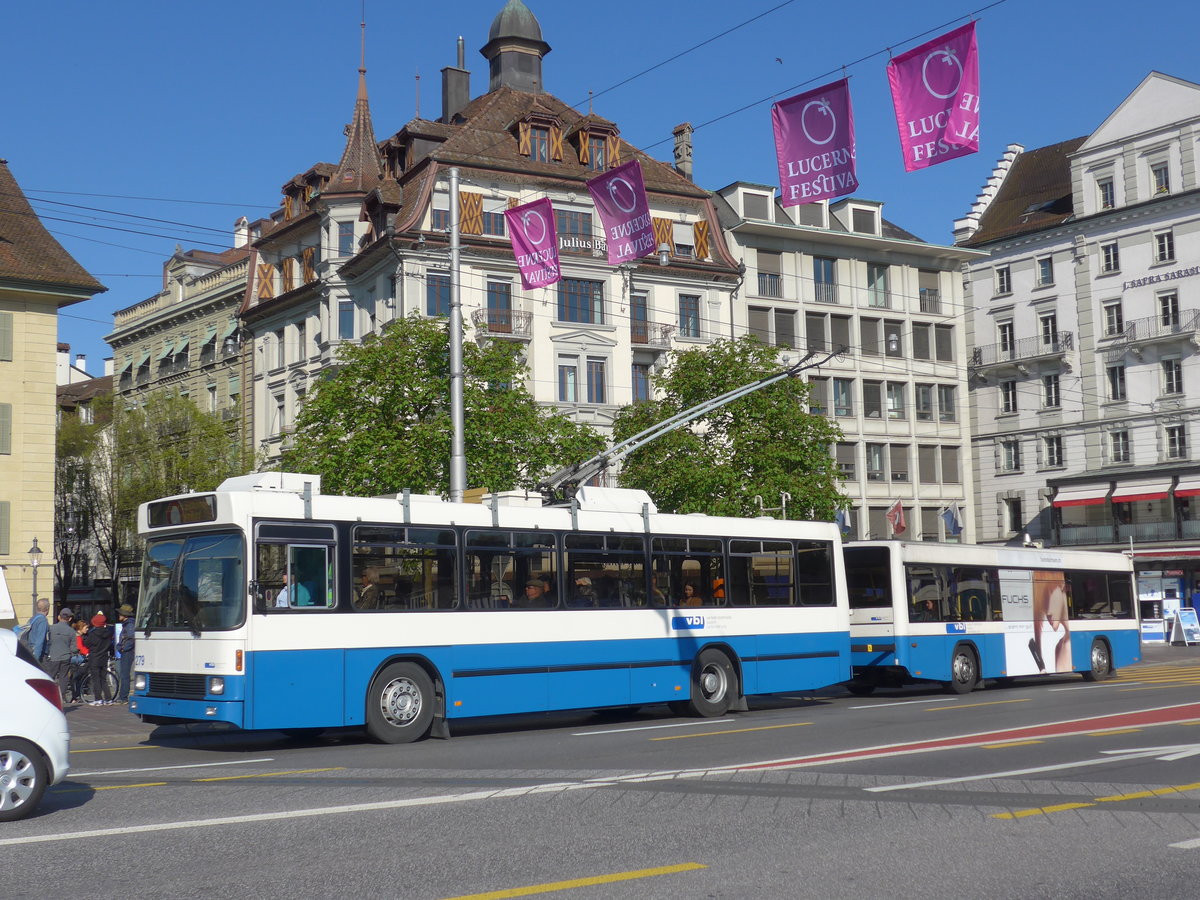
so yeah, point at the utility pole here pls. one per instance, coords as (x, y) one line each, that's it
(458, 453)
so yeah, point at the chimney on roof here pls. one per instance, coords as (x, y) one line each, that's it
(108, 365)
(241, 232)
(683, 149)
(456, 86)
(81, 362)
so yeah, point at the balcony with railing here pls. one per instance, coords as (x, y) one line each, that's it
(931, 301)
(1019, 351)
(1164, 327)
(651, 335)
(516, 324)
(826, 292)
(769, 284)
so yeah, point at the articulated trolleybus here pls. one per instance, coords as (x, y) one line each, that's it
(267, 605)
(960, 613)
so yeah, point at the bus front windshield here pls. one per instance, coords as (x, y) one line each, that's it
(193, 583)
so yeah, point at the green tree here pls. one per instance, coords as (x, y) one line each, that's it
(381, 422)
(760, 445)
(75, 506)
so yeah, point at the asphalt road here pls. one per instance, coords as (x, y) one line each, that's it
(1061, 789)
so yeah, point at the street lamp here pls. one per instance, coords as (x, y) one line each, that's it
(35, 560)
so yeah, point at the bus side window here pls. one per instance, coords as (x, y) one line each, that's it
(270, 564)
(309, 570)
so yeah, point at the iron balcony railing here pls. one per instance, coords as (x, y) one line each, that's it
(931, 301)
(768, 285)
(826, 292)
(1025, 348)
(1183, 323)
(652, 334)
(513, 323)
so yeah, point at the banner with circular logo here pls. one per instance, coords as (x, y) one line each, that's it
(534, 242)
(814, 145)
(620, 198)
(935, 90)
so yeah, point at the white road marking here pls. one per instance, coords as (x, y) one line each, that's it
(729, 721)
(1193, 844)
(236, 762)
(905, 703)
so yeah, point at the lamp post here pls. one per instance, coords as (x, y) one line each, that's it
(35, 560)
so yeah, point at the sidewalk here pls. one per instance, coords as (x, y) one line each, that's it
(101, 724)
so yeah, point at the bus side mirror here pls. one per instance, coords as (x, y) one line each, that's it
(259, 595)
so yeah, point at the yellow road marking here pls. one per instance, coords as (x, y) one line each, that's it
(270, 774)
(1009, 744)
(79, 789)
(1161, 687)
(1041, 811)
(580, 882)
(680, 737)
(1114, 731)
(1136, 795)
(1157, 792)
(118, 787)
(113, 749)
(969, 705)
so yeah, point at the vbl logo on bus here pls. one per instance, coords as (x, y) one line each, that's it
(686, 623)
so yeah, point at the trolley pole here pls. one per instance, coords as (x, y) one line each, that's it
(458, 455)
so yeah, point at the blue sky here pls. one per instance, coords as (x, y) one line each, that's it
(214, 106)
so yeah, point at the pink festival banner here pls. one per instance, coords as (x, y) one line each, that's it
(814, 144)
(534, 242)
(935, 89)
(620, 198)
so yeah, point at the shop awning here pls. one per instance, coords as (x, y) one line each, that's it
(166, 351)
(182, 344)
(126, 367)
(1082, 494)
(1189, 486)
(142, 357)
(1142, 489)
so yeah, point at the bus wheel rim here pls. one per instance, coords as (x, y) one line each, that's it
(713, 682)
(401, 702)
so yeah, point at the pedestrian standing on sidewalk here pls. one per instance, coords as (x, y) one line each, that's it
(124, 651)
(60, 647)
(99, 642)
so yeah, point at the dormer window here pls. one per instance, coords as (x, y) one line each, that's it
(539, 143)
(595, 152)
(540, 137)
(864, 221)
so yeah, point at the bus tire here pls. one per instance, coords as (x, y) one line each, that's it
(964, 670)
(714, 685)
(1101, 662)
(400, 704)
(861, 688)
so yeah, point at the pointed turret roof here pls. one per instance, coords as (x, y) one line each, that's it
(28, 252)
(360, 166)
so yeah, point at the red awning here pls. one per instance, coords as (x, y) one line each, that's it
(1142, 489)
(1082, 494)
(1188, 487)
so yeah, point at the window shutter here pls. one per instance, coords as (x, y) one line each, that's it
(307, 256)
(584, 155)
(523, 139)
(470, 212)
(5, 429)
(6, 336)
(289, 208)
(613, 151)
(514, 202)
(287, 275)
(700, 239)
(4, 520)
(266, 281)
(556, 143)
(664, 233)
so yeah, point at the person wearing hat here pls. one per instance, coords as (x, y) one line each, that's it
(585, 593)
(60, 644)
(535, 595)
(124, 651)
(99, 643)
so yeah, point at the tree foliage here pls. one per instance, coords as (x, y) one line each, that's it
(763, 444)
(77, 449)
(381, 422)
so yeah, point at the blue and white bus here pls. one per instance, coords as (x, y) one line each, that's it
(267, 605)
(960, 613)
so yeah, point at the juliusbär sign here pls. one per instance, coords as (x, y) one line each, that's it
(1161, 277)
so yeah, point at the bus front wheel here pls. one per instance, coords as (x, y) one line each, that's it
(714, 685)
(1101, 662)
(964, 670)
(400, 704)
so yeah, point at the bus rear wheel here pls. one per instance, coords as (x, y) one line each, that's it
(400, 704)
(1101, 662)
(964, 670)
(714, 685)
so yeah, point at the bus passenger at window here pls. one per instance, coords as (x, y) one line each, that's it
(585, 594)
(368, 591)
(535, 595)
(925, 611)
(291, 595)
(690, 596)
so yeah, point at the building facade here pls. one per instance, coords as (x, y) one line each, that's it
(1085, 336)
(824, 276)
(359, 244)
(37, 278)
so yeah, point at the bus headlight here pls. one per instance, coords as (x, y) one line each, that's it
(139, 681)
(216, 685)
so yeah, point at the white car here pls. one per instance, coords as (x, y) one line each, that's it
(34, 740)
